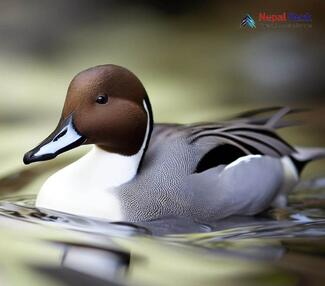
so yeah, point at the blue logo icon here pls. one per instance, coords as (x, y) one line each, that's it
(248, 21)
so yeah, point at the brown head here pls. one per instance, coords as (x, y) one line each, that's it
(105, 105)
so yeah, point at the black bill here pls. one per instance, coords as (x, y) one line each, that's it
(65, 137)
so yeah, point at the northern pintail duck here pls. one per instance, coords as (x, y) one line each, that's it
(138, 170)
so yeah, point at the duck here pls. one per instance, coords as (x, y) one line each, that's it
(138, 170)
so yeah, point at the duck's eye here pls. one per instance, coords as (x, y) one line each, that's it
(102, 99)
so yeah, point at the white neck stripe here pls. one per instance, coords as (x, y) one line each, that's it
(147, 129)
(111, 169)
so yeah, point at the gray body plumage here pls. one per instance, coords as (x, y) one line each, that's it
(186, 171)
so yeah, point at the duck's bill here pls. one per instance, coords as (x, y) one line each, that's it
(65, 137)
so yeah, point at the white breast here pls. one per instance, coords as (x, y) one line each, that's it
(88, 186)
(77, 189)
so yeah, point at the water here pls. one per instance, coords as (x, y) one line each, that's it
(278, 247)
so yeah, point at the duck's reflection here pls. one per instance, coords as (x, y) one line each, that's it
(86, 265)
(101, 263)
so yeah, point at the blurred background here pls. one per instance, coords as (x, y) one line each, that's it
(192, 56)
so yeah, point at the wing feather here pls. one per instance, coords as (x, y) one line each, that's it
(244, 134)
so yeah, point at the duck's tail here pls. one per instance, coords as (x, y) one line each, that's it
(275, 120)
(304, 155)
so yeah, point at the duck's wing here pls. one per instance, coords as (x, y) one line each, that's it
(249, 133)
(224, 142)
(245, 187)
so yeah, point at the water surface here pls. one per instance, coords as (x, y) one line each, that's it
(278, 247)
